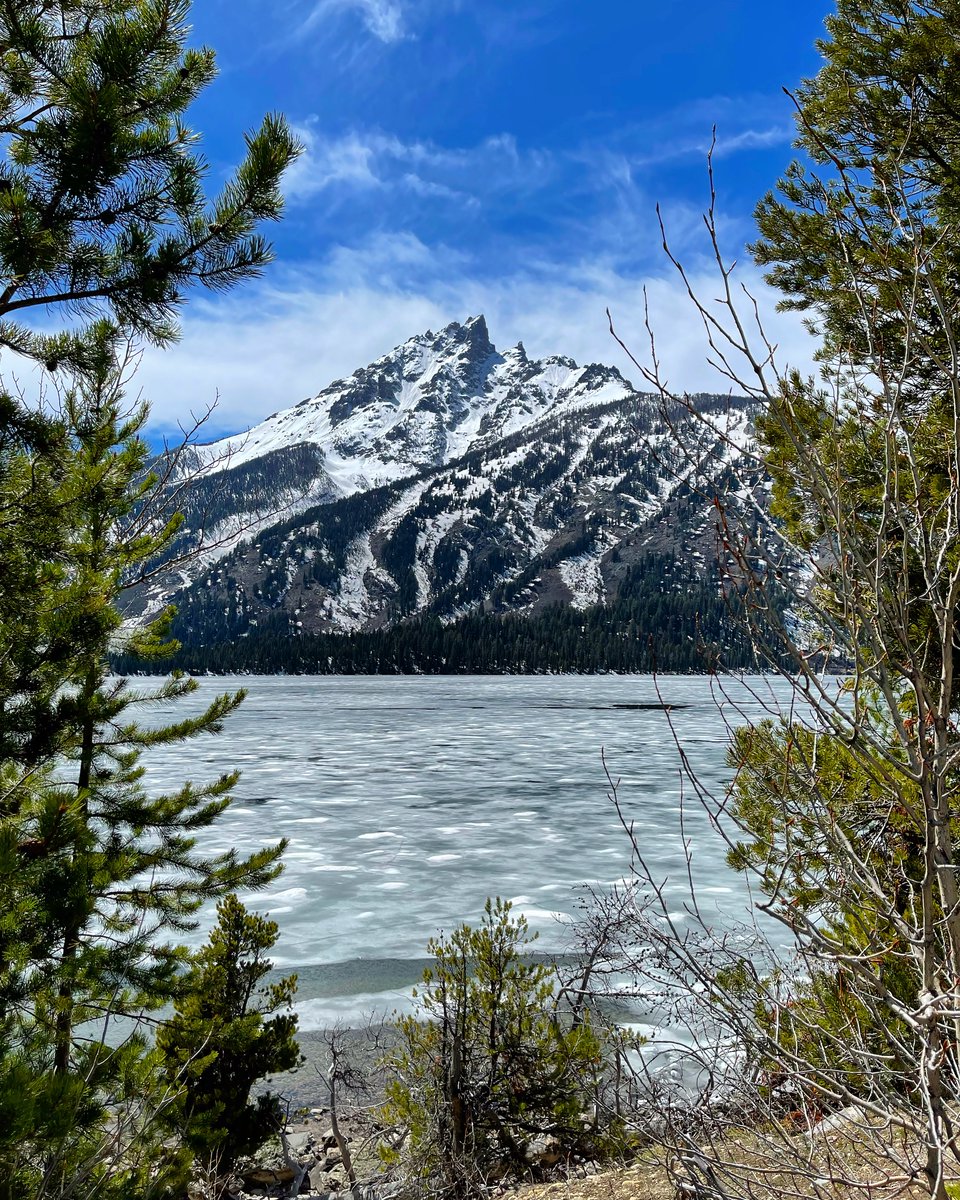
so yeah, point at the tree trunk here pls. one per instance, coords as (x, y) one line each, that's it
(63, 1035)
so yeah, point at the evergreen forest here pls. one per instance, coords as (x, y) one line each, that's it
(663, 619)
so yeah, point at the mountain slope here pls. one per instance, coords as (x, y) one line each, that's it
(445, 479)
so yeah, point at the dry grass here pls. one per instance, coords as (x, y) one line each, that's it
(639, 1181)
(858, 1163)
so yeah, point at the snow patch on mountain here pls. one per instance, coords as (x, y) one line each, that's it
(583, 578)
(349, 608)
(428, 402)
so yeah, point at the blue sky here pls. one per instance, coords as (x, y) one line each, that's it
(502, 156)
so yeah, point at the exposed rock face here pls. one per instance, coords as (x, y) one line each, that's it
(445, 478)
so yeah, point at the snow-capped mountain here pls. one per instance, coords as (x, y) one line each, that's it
(444, 478)
(431, 400)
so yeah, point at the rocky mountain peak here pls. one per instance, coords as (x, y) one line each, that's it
(429, 400)
(517, 353)
(475, 329)
(442, 479)
(469, 339)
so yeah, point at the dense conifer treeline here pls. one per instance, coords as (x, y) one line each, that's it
(664, 619)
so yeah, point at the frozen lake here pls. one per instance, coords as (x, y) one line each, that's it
(408, 800)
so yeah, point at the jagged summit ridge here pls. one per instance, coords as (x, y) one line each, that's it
(428, 401)
(445, 478)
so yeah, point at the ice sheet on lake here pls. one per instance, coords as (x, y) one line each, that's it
(407, 801)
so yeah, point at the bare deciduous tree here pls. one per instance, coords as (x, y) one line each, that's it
(821, 1042)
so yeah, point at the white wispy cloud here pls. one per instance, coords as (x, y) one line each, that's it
(779, 134)
(328, 162)
(728, 124)
(268, 349)
(385, 19)
(575, 191)
(370, 158)
(722, 145)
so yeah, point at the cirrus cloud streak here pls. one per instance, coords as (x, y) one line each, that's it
(313, 326)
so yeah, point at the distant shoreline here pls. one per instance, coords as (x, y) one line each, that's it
(205, 673)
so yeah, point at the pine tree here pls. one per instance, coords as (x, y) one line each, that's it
(880, 192)
(103, 220)
(96, 872)
(489, 1064)
(227, 1033)
(102, 207)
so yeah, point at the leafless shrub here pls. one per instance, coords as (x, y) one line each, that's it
(819, 1047)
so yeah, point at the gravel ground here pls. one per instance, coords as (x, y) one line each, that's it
(306, 1086)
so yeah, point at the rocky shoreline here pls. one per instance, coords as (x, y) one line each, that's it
(308, 1159)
